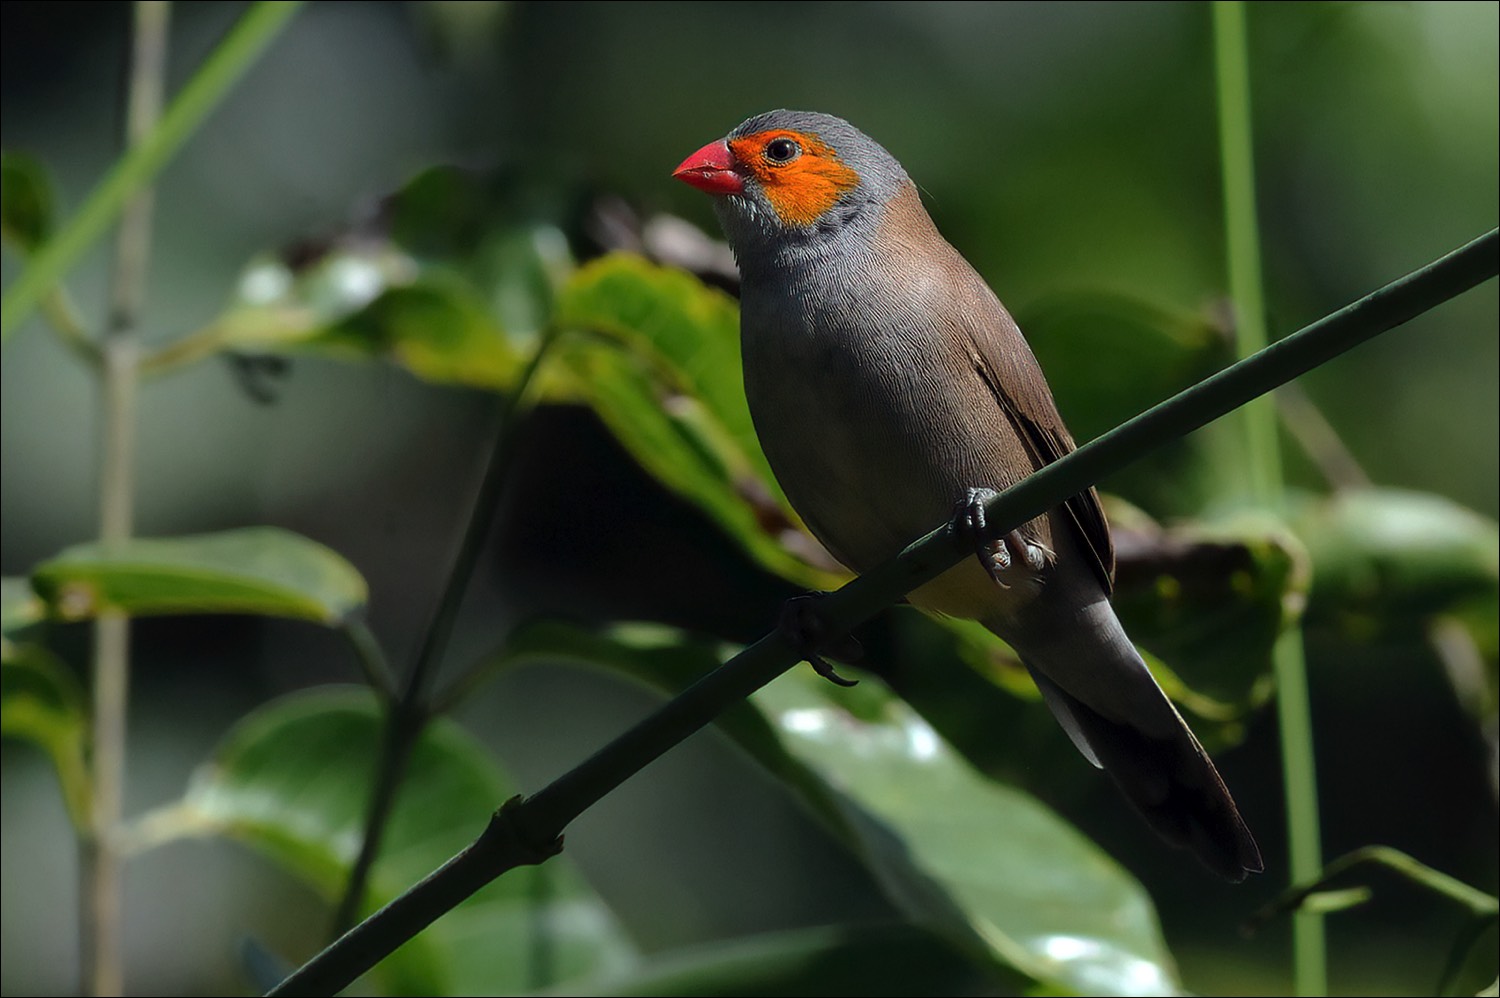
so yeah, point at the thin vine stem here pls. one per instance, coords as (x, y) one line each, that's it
(66, 322)
(371, 657)
(1307, 425)
(411, 710)
(1288, 659)
(101, 910)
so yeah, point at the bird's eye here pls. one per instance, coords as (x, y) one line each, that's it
(783, 150)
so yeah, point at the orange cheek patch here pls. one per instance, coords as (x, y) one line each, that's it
(802, 191)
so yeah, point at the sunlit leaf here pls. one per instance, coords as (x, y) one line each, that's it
(438, 330)
(319, 288)
(370, 303)
(292, 782)
(19, 607)
(26, 202)
(969, 855)
(662, 369)
(42, 703)
(257, 570)
(982, 865)
(673, 315)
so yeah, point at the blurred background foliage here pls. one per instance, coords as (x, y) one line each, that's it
(429, 186)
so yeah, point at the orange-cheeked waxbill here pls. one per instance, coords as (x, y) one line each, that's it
(890, 387)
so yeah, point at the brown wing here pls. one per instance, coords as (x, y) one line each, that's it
(999, 354)
(1007, 365)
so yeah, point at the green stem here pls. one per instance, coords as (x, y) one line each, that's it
(1483, 909)
(1307, 425)
(62, 315)
(1476, 902)
(198, 345)
(527, 831)
(101, 923)
(136, 168)
(410, 712)
(1264, 465)
(371, 658)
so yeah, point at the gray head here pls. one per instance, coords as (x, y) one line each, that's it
(788, 181)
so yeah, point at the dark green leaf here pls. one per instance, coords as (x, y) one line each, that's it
(1210, 600)
(1385, 555)
(42, 703)
(259, 570)
(26, 202)
(829, 960)
(443, 211)
(292, 780)
(1110, 356)
(499, 229)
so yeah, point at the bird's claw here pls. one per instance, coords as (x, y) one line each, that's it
(997, 555)
(805, 630)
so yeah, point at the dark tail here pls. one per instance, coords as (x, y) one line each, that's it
(1103, 695)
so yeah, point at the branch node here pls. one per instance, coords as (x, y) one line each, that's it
(508, 834)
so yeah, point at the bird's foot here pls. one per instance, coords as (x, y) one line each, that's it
(1000, 554)
(800, 624)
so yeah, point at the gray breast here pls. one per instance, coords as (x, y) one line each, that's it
(873, 418)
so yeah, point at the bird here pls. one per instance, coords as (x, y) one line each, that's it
(891, 391)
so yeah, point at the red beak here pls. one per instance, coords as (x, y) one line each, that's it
(712, 169)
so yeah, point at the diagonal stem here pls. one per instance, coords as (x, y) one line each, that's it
(141, 163)
(409, 713)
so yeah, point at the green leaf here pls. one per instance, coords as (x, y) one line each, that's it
(365, 303)
(19, 607)
(662, 369)
(439, 330)
(42, 703)
(672, 315)
(26, 201)
(260, 570)
(292, 780)
(1210, 600)
(974, 860)
(827, 960)
(983, 866)
(1384, 556)
(443, 211)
